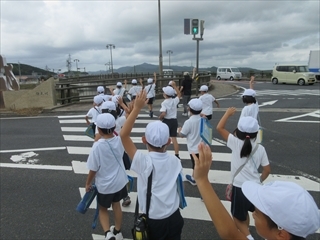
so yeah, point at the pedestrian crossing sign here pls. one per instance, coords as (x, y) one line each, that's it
(206, 131)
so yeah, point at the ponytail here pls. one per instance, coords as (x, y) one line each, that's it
(247, 146)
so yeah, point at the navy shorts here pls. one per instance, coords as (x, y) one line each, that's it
(105, 200)
(209, 117)
(167, 228)
(173, 126)
(240, 205)
(150, 100)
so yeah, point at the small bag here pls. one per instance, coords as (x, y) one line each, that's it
(89, 131)
(140, 229)
(87, 199)
(228, 192)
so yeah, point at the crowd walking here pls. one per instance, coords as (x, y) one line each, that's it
(114, 152)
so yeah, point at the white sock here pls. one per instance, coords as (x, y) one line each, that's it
(250, 237)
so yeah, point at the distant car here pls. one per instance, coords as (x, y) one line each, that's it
(292, 73)
(228, 73)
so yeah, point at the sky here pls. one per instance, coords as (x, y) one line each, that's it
(256, 34)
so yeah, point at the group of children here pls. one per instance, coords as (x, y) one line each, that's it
(107, 169)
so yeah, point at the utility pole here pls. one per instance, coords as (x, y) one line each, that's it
(19, 72)
(111, 46)
(76, 60)
(169, 52)
(160, 41)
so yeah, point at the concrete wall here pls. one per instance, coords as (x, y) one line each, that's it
(42, 96)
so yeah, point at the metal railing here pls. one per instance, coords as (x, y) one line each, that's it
(83, 89)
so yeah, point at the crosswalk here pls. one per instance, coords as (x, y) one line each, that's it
(79, 145)
(297, 92)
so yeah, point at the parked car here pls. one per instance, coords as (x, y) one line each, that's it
(230, 73)
(292, 73)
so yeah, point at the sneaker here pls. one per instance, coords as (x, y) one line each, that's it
(126, 201)
(185, 114)
(191, 180)
(118, 236)
(110, 236)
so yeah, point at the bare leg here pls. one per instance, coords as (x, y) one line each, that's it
(117, 215)
(104, 218)
(175, 145)
(243, 226)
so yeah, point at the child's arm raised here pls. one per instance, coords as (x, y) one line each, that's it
(222, 123)
(251, 82)
(220, 217)
(128, 145)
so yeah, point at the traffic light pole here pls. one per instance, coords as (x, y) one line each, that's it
(197, 60)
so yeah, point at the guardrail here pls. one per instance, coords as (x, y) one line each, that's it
(81, 89)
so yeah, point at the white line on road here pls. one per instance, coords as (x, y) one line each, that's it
(32, 149)
(34, 166)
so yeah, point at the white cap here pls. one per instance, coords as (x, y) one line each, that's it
(287, 204)
(157, 133)
(150, 80)
(100, 89)
(119, 84)
(249, 92)
(248, 125)
(108, 105)
(169, 91)
(170, 83)
(134, 81)
(115, 99)
(195, 104)
(98, 99)
(204, 88)
(105, 121)
(185, 73)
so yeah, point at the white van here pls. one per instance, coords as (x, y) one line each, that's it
(230, 73)
(167, 73)
(292, 73)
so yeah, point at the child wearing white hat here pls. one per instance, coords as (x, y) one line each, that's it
(191, 131)
(150, 90)
(94, 112)
(120, 90)
(106, 168)
(207, 101)
(249, 98)
(168, 112)
(247, 156)
(165, 220)
(283, 210)
(135, 89)
(100, 91)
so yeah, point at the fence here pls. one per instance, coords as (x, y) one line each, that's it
(84, 88)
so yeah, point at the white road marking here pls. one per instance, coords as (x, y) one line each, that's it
(36, 166)
(315, 114)
(32, 149)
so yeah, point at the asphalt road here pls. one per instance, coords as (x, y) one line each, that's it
(40, 203)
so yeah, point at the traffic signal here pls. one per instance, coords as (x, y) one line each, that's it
(201, 27)
(195, 26)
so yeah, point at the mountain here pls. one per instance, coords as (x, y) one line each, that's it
(28, 70)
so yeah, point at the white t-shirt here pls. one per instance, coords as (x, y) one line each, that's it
(119, 91)
(166, 168)
(207, 100)
(250, 171)
(134, 90)
(250, 110)
(150, 92)
(169, 106)
(191, 130)
(119, 123)
(93, 113)
(111, 176)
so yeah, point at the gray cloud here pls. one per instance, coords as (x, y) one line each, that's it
(239, 33)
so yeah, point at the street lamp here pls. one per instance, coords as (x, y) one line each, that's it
(111, 46)
(76, 60)
(169, 52)
(160, 40)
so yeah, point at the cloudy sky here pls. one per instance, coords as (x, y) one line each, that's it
(248, 33)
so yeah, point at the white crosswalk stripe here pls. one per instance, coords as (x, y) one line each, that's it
(297, 92)
(73, 128)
